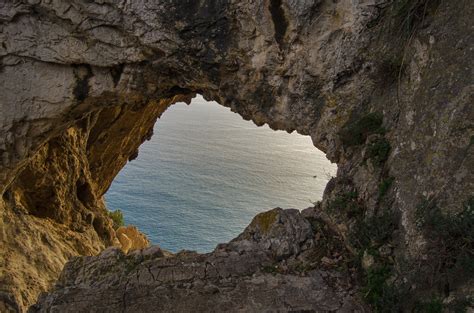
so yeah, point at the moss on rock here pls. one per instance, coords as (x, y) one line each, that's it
(265, 220)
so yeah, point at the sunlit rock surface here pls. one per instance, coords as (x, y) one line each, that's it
(83, 82)
(130, 238)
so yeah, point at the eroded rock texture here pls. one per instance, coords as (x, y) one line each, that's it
(265, 269)
(383, 87)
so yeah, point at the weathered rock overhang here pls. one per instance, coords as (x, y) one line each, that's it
(84, 82)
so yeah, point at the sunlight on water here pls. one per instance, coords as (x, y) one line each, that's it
(206, 173)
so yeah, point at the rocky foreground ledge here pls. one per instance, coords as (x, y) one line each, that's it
(283, 261)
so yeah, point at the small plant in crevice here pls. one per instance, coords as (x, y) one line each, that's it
(384, 186)
(377, 292)
(451, 260)
(461, 305)
(398, 22)
(435, 305)
(374, 231)
(404, 17)
(378, 151)
(451, 243)
(328, 246)
(407, 15)
(345, 203)
(270, 269)
(117, 218)
(369, 235)
(390, 69)
(356, 132)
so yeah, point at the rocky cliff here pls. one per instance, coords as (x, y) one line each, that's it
(383, 87)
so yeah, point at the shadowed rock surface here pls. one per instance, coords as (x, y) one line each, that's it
(260, 271)
(384, 88)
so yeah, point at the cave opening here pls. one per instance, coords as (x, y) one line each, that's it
(206, 173)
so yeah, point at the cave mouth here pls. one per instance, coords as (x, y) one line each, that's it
(207, 172)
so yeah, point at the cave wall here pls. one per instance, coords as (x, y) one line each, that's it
(84, 81)
(54, 208)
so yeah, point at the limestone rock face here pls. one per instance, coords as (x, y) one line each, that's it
(280, 231)
(384, 89)
(131, 238)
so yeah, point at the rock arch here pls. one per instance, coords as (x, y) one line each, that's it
(84, 81)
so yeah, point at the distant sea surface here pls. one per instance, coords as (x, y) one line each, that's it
(206, 173)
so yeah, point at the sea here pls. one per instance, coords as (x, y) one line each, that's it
(206, 173)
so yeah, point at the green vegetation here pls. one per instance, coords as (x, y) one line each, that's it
(373, 232)
(368, 235)
(452, 241)
(117, 218)
(400, 20)
(384, 186)
(433, 306)
(459, 225)
(266, 219)
(345, 203)
(450, 247)
(329, 244)
(378, 293)
(270, 269)
(303, 267)
(355, 133)
(461, 305)
(378, 151)
(451, 237)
